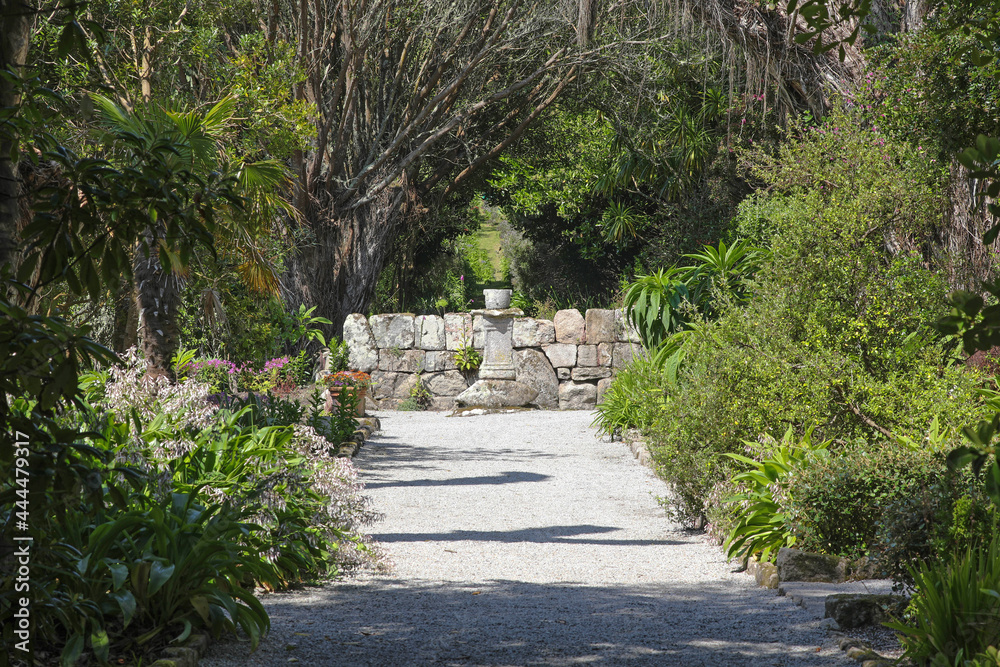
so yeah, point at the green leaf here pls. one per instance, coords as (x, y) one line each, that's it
(100, 644)
(71, 652)
(68, 40)
(993, 482)
(159, 574)
(969, 158)
(201, 605)
(82, 564)
(184, 633)
(991, 234)
(119, 574)
(126, 602)
(960, 457)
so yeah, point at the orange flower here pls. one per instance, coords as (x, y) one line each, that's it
(348, 379)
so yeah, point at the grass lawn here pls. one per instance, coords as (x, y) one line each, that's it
(488, 238)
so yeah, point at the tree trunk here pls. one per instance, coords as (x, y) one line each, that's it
(339, 269)
(584, 22)
(159, 304)
(126, 325)
(15, 35)
(914, 13)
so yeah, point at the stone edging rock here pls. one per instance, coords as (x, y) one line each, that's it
(633, 440)
(766, 574)
(350, 448)
(185, 654)
(863, 653)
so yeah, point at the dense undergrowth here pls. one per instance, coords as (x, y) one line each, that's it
(815, 403)
(187, 508)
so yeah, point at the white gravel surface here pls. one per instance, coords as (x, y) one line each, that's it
(521, 539)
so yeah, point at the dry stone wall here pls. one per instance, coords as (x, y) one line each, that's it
(570, 359)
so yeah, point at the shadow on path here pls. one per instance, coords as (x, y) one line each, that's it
(511, 477)
(556, 534)
(391, 622)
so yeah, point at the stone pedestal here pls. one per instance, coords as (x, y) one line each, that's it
(497, 385)
(498, 350)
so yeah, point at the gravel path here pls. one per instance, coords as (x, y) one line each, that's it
(521, 539)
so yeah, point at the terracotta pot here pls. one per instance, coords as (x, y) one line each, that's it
(333, 398)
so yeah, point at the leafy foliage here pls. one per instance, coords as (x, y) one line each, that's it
(467, 359)
(836, 505)
(635, 398)
(762, 526)
(665, 302)
(955, 611)
(838, 330)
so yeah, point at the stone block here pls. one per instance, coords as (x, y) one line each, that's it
(561, 355)
(854, 610)
(383, 384)
(182, 656)
(457, 329)
(199, 643)
(577, 396)
(605, 353)
(431, 330)
(584, 373)
(402, 361)
(600, 324)
(587, 355)
(404, 384)
(795, 565)
(478, 333)
(562, 373)
(440, 403)
(393, 330)
(362, 350)
(529, 332)
(435, 361)
(765, 574)
(862, 654)
(497, 394)
(602, 388)
(447, 383)
(570, 327)
(624, 331)
(534, 370)
(622, 354)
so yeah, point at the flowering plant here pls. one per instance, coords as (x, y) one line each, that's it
(355, 379)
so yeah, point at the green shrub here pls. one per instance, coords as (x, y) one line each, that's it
(762, 526)
(935, 522)
(839, 330)
(337, 427)
(263, 410)
(954, 615)
(183, 510)
(635, 398)
(665, 302)
(835, 504)
(185, 562)
(466, 358)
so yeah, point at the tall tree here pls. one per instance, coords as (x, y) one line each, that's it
(15, 36)
(412, 99)
(193, 138)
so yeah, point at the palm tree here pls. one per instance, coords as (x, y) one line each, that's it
(196, 151)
